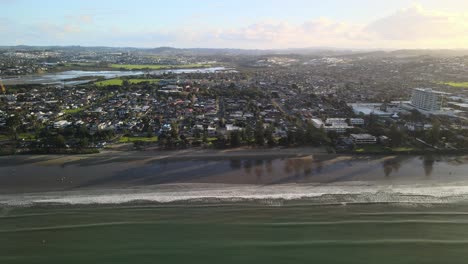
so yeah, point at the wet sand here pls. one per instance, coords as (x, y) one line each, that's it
(266, 174)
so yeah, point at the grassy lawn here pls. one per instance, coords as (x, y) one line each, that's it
(382, 149)
(20, 136)
(119, 82)
(135, 139)
(72, 111)
(372, 149)
(456, 84)
(157, 67)
(70, 64)
(403, 149)
(26, 136)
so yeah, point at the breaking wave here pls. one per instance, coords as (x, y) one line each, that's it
(275, 195)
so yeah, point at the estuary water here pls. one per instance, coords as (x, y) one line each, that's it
(51, 78)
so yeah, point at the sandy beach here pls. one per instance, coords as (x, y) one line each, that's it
(123, 177)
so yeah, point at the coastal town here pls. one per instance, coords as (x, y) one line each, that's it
(395, 102)
(265, 132)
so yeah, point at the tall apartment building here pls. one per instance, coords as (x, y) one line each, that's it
(428, 99)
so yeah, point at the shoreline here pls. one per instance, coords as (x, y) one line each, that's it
(248, 152)
(229, 194)
(239, 175)
(243, 152)
(197, 153)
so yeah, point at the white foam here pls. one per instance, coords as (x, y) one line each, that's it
(351, 192)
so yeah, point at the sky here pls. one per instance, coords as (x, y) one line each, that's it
(246, 24)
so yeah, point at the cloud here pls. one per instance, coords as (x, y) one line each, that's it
(69, 28)
(412, 27)
(86, 19)
(281, 34)
(416, 23)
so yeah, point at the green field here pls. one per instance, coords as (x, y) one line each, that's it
(72, 111)
(26, 135)
(157, 67)
(70, 64)
(119, 82)
(136, 139)
(456, 84)
(381, 149)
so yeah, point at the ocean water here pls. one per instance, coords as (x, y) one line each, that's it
(293, 232)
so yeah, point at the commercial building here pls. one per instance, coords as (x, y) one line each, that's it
(427, 99)
(336, 121)
(361, 139)
(356, 121)
(331, 125)
(367, 109)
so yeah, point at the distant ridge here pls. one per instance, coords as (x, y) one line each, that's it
(318, 51)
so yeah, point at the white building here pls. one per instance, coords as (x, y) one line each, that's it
(427, 99)
(62, 124)
(370, 109)
(332, 124)
(356, 121)
(318, 123)
(360, 139)
(336, 121)
(231, 127)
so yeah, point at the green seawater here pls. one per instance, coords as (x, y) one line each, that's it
(235, 233)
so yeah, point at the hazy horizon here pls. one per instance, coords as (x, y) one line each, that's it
(360, 24)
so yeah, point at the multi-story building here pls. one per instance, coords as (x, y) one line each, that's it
(428, 99)
(331, 125)
(361, 139)
(356, 121)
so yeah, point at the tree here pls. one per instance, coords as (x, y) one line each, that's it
(125, 83)
(12, 123)
(149, 133)
(235, 138)
(196, 133)
(299, 136)
(59, 141)
(434, 133)
(291, 138)
(271, 141)
(396, 136)
(220, 141)
(248, 134)
(333, 135)
(259, 134)
(174, 131)
(84, 143)
(372, 121)
(205, 136)
(415, 115)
